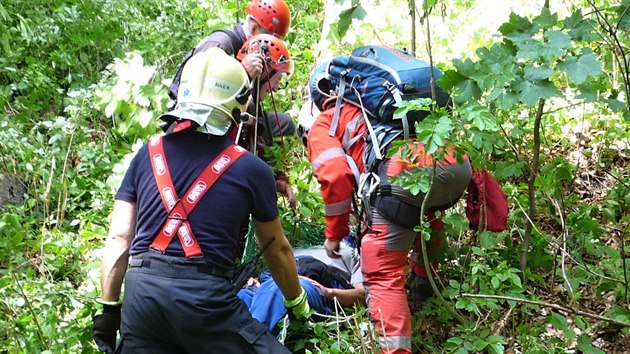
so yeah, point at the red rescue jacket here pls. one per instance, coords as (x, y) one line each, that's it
(329, 158)
(327, 155)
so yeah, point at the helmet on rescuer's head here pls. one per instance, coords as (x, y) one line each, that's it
(272, 49)
(308, 113)
(214, 89)
(272, 15)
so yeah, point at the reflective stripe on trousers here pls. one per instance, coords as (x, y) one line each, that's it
(384, 260)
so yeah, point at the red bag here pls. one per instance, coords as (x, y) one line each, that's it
(486, 203)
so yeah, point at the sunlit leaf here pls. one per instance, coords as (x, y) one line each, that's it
(546, 19)
(531, 91)
(580, 68)
(557, 43)
(347, 15)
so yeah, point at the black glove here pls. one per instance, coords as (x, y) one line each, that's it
(105, 328)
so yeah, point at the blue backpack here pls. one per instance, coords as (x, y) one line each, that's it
(374, 78)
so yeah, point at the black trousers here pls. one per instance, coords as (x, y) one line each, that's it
(178, 305)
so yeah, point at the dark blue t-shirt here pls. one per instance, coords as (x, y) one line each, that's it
(246, 188)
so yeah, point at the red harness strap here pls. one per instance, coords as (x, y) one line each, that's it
(179, 209)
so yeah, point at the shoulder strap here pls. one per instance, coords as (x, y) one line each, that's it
(179, 209)
(236, 44)
(172, 90)
(235, 40)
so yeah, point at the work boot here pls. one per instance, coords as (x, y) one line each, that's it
(419, 289)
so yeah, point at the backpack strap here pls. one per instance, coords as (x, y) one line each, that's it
(174, 88)
(235, 41)
(340, 93)
(179, 209)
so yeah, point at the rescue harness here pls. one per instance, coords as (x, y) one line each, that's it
(177, 208)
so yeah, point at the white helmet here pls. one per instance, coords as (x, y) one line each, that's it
(308, 113)
(213, 91)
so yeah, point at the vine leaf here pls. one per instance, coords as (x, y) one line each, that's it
(580, 68)
(535, 73)
(557, 43)
(345, 17)
(531, 91)
(465, 88)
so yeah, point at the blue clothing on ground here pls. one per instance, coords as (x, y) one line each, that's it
(267, 305)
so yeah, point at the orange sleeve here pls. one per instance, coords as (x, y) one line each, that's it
(333, 173)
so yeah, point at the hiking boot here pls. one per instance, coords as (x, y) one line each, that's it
(419, 289)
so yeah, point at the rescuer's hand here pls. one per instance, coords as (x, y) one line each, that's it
(332, 248)
(298, 306)
(105, 327)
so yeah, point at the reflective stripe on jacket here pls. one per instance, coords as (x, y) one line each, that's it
(327, 155)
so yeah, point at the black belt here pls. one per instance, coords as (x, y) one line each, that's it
(397, 211)
(155, 262)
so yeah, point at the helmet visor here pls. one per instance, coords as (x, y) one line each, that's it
(212, 119)
(283, 64)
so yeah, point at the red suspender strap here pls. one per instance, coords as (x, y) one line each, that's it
(178, 210)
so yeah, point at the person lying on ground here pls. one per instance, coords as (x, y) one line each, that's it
(328, 283)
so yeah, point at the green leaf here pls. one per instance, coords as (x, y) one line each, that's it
(506, 101)
(479, 344)
(556, 44)
(496, 348)
(418, 104)
(488, 239)
(496, 283)
(579, 28)
(466, 67)
(529, 49)
(535, 73)
(558, 321)
(450, 79)
(531, 91)
(585, 346)
(546, 19)
(515, 23)
(580, 68)
(623, 22)
(481, 117)
(467, 90)
(516, 280)
(346, 16)
(619, 314)
(453, 283)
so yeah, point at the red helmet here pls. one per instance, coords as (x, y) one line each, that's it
(272, 49)
(272, 15)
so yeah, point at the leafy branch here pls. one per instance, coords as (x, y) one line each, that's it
(550, 305)
(611, 37)
(531, 186)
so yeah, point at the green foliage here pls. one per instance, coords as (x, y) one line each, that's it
(81, 83)
(348, 333)
(72, 106)
(474, 342)
(355, 11)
